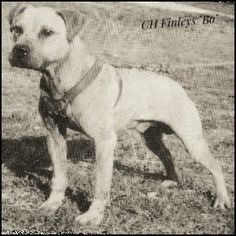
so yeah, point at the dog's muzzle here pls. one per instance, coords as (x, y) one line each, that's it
(19, 56)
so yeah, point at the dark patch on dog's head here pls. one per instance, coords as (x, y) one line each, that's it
(73, 21)
(17, 10)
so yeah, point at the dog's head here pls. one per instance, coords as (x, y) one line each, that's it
(41, 35)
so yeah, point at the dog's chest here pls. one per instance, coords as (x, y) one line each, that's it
(73, 116)
(50, 91)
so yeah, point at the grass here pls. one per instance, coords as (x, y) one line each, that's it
(26, 167)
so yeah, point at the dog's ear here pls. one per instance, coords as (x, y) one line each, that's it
(74, 22)
(17, 10)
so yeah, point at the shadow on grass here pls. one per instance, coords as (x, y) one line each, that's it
(28, 157)
(137, 172)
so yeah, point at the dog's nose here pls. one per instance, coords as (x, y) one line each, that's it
(21, 50)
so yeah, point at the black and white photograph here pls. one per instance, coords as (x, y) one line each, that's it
(118, 117)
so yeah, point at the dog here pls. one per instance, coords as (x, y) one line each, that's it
(48, 41)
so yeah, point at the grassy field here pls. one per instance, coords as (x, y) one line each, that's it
(180, 53)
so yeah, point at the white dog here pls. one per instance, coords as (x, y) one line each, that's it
(99, 100)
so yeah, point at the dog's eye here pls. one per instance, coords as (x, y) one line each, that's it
(17, 30)
(46, 33)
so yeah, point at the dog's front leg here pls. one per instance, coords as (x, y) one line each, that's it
(58, 152)
(104, 165)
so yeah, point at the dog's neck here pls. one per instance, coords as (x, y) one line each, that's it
(72, 69)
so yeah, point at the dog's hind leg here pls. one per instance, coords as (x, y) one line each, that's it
(189, 129)
(153, 139)
(58, 152)
(200, 151)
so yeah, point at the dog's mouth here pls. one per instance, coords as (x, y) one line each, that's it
(18, 62)
(22, 62)
(21, 56)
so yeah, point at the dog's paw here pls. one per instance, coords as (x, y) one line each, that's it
(51, 205)
(91, 217)
(222, 202)
(169, 184)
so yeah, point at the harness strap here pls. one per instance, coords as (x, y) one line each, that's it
(87, 79)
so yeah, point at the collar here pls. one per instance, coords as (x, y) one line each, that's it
(49, 89)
